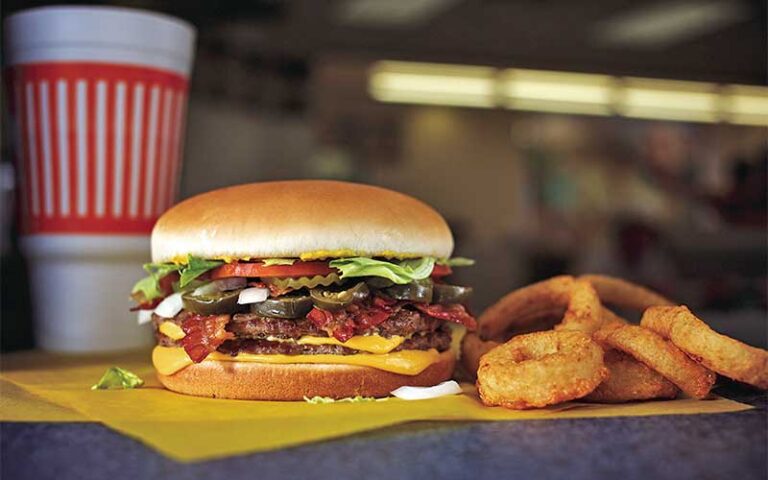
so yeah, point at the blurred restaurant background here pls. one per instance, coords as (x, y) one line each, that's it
(614, 136)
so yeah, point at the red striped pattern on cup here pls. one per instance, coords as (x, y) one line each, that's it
(98, 145)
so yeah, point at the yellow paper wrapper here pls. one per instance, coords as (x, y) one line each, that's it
(46, 387)
(18, 405)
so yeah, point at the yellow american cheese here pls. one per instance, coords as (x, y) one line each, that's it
(171, 330)
(169, 360)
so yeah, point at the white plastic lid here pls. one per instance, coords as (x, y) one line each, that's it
(99, 33)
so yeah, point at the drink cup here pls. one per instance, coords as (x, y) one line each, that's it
(98, 98)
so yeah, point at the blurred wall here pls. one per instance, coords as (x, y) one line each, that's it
(228, 143)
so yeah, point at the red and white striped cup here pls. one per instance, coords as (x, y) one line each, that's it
(98, 97)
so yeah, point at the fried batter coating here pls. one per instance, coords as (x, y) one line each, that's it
(540, 369)
(662, 356)
(630, 380)
(723, 354)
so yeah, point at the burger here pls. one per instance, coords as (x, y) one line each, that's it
(295, 289)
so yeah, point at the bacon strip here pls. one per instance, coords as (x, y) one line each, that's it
(455, 313)
(345, 323)
(204, 334)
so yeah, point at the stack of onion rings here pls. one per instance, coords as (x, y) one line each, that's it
(672, 350)
(717, 352)
(540, 369)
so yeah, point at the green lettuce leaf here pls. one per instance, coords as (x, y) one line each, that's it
(195, 267)
(268, 262)
(400, 273)
(456, 262)
(116, 377)
(148, 288)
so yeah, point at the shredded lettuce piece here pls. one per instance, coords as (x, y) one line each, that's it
(456, 262)
(400, 273)
(268, 262)
(358, 399)
(148, 288)
(116, 377)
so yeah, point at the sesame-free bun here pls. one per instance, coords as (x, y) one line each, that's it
(266, 381)
(319, 219)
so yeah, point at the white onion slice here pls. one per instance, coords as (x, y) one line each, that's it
(144, 316)
(221, 285)
(253, 295)
(449, 387)
(170, 306)
(207, 289)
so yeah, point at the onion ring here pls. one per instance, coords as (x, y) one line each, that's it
(629, 380)
(540, 369)
(662, 356)
(533, 307)
(623, 293)
(523, 307)
(584, 312)
(472, 348)
(717, 352)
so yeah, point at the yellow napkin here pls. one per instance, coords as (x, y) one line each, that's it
(46, 387)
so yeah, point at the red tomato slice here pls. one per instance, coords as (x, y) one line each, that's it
(441, 271)
(298, 269)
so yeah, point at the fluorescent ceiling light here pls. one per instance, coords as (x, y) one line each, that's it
(384, 13)
(438, 84)
(668, 100)
(746, 105)
(664, 24)
(565, 92)
(556, 91)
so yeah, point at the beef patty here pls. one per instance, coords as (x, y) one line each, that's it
(403, 322)
(441, 341)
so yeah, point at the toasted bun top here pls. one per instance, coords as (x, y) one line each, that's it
(310, 219)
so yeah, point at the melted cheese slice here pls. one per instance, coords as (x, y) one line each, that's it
(171, 330)
(169, 360)
(365, 343)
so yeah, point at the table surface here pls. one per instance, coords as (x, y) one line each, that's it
(721, 446)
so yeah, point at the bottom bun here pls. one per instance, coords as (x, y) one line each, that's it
(264, 381)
